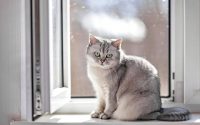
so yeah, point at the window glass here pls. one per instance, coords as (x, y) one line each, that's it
(143, 25)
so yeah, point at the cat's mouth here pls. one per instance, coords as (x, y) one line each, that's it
(104, 66)
(103, 63)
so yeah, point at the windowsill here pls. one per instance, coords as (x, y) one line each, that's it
(85, 119)
(86, 105)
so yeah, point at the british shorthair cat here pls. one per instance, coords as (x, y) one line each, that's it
(127, 87)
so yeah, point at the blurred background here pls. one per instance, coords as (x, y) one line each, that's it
(143, 25)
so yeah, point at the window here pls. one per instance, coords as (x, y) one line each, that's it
(71, 21)
(63, 54)
(59, 45)
(55, 41)
(143, 25)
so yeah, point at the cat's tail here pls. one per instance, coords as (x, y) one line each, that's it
(174, 114)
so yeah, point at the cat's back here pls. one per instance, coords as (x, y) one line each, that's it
(139, 64)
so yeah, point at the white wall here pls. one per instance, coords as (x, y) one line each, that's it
(10, 60)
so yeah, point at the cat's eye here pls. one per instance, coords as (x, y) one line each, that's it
(97, 54)
(109, 55)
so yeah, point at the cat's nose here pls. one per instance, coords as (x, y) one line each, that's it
(102, 60)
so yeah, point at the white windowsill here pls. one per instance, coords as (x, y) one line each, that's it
(60, 119)
(86, 105)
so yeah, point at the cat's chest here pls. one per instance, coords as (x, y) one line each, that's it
(100, 74)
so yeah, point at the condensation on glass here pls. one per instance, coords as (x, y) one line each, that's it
(143, 25)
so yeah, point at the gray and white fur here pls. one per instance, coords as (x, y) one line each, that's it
(127, 87)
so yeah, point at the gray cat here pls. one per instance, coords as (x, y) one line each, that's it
(127, 87)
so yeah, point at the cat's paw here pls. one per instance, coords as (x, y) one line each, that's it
(95, 114)
(104, 116)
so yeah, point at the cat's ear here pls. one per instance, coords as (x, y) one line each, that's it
(92, 39)
(117, 43)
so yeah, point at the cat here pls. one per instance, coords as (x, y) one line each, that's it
(127, 87)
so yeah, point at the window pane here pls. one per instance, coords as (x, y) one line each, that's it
(143, 24)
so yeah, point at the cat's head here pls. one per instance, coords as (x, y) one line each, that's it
(103, 53)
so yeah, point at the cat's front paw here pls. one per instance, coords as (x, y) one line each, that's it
(95, 114)
(104, 116)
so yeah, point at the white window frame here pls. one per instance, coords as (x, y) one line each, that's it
(26, 101)
(86, 105)
(178, 38)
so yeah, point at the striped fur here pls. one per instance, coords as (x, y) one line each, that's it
(174, 114)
